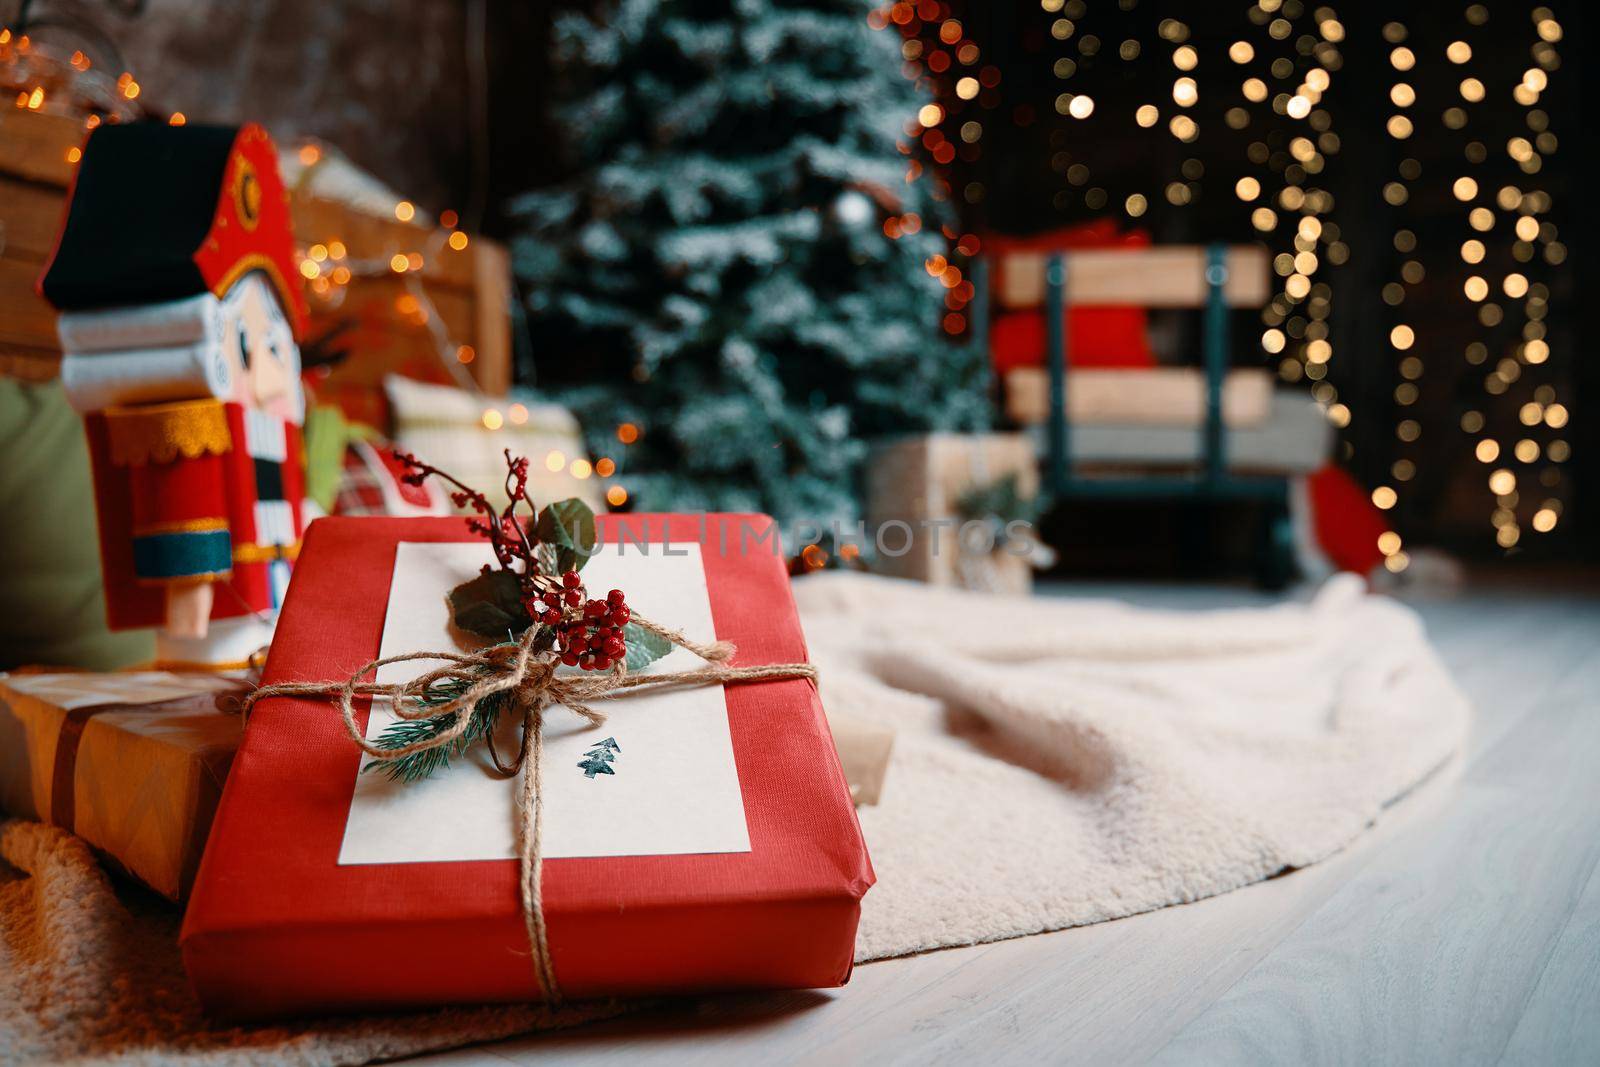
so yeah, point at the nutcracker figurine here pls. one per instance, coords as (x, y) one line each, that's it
(180, 310)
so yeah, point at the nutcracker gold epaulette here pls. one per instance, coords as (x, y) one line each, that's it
(160, 433)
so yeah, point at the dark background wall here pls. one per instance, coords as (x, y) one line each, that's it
(444, 100)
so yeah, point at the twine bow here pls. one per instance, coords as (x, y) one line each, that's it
(534, 684)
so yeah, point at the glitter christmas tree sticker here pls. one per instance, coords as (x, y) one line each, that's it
(598, 759)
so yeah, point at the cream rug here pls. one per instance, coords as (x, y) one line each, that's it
(1061, 762)
(1055, 763)
(86, 977)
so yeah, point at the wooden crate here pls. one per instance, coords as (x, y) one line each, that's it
(470, 289)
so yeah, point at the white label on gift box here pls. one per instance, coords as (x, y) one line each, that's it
(673, 787)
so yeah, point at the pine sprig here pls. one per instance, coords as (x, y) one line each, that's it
(424, 764)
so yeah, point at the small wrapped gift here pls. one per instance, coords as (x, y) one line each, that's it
(133, 763)
(703, 838)
(957, 509)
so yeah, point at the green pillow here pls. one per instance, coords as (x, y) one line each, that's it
(52, 608)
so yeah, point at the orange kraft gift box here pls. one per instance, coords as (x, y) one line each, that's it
(131, 762)
(277, 926)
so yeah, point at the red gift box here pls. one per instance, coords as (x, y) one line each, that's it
(277, 926)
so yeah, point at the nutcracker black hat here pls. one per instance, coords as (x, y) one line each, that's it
(161, 212)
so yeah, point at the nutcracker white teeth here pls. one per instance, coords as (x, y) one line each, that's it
(180, 311)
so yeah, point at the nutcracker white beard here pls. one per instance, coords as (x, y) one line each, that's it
(262, 342)
(239, 348)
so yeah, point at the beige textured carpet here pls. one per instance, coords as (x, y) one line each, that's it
(1065, 762)
(88, 977)
(1056, 763)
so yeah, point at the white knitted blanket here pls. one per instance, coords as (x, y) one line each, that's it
(1061, 762)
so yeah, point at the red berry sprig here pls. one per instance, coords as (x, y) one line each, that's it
(549, 601)
(502, 529)
(582, 632)
(588, 633)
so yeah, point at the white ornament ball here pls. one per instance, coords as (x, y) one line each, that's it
(853, 208)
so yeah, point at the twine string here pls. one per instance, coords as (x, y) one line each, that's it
(534, 685)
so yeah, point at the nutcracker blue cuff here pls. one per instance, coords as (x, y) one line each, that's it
(185, 554)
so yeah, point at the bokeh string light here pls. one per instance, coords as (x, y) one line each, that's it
(329, 270)
(1287, 73)
(70, 87)
(1184, 189)
(49, 80)
(1283, 66)
(1523, 458)
(1400, 341)
(1472, 271)
(940, 56)
(1520, 471)
(1473, 253)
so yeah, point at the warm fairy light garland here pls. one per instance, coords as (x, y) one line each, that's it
(1543, 410)
(329, 268)
(1401, 336)
(938, 53)
(48, 82)
(1283, 189)
(1480, 201)
(56, 85)
(1296, 318)
(47, 78)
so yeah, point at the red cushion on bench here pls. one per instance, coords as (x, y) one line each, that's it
(1096, 336)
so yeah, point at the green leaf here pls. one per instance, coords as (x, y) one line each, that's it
(568, 525)
(490, 605)
(644, 647)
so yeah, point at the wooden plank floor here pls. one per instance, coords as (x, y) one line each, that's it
(1464, 929)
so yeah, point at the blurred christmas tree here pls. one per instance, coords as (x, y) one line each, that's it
(718, 271)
